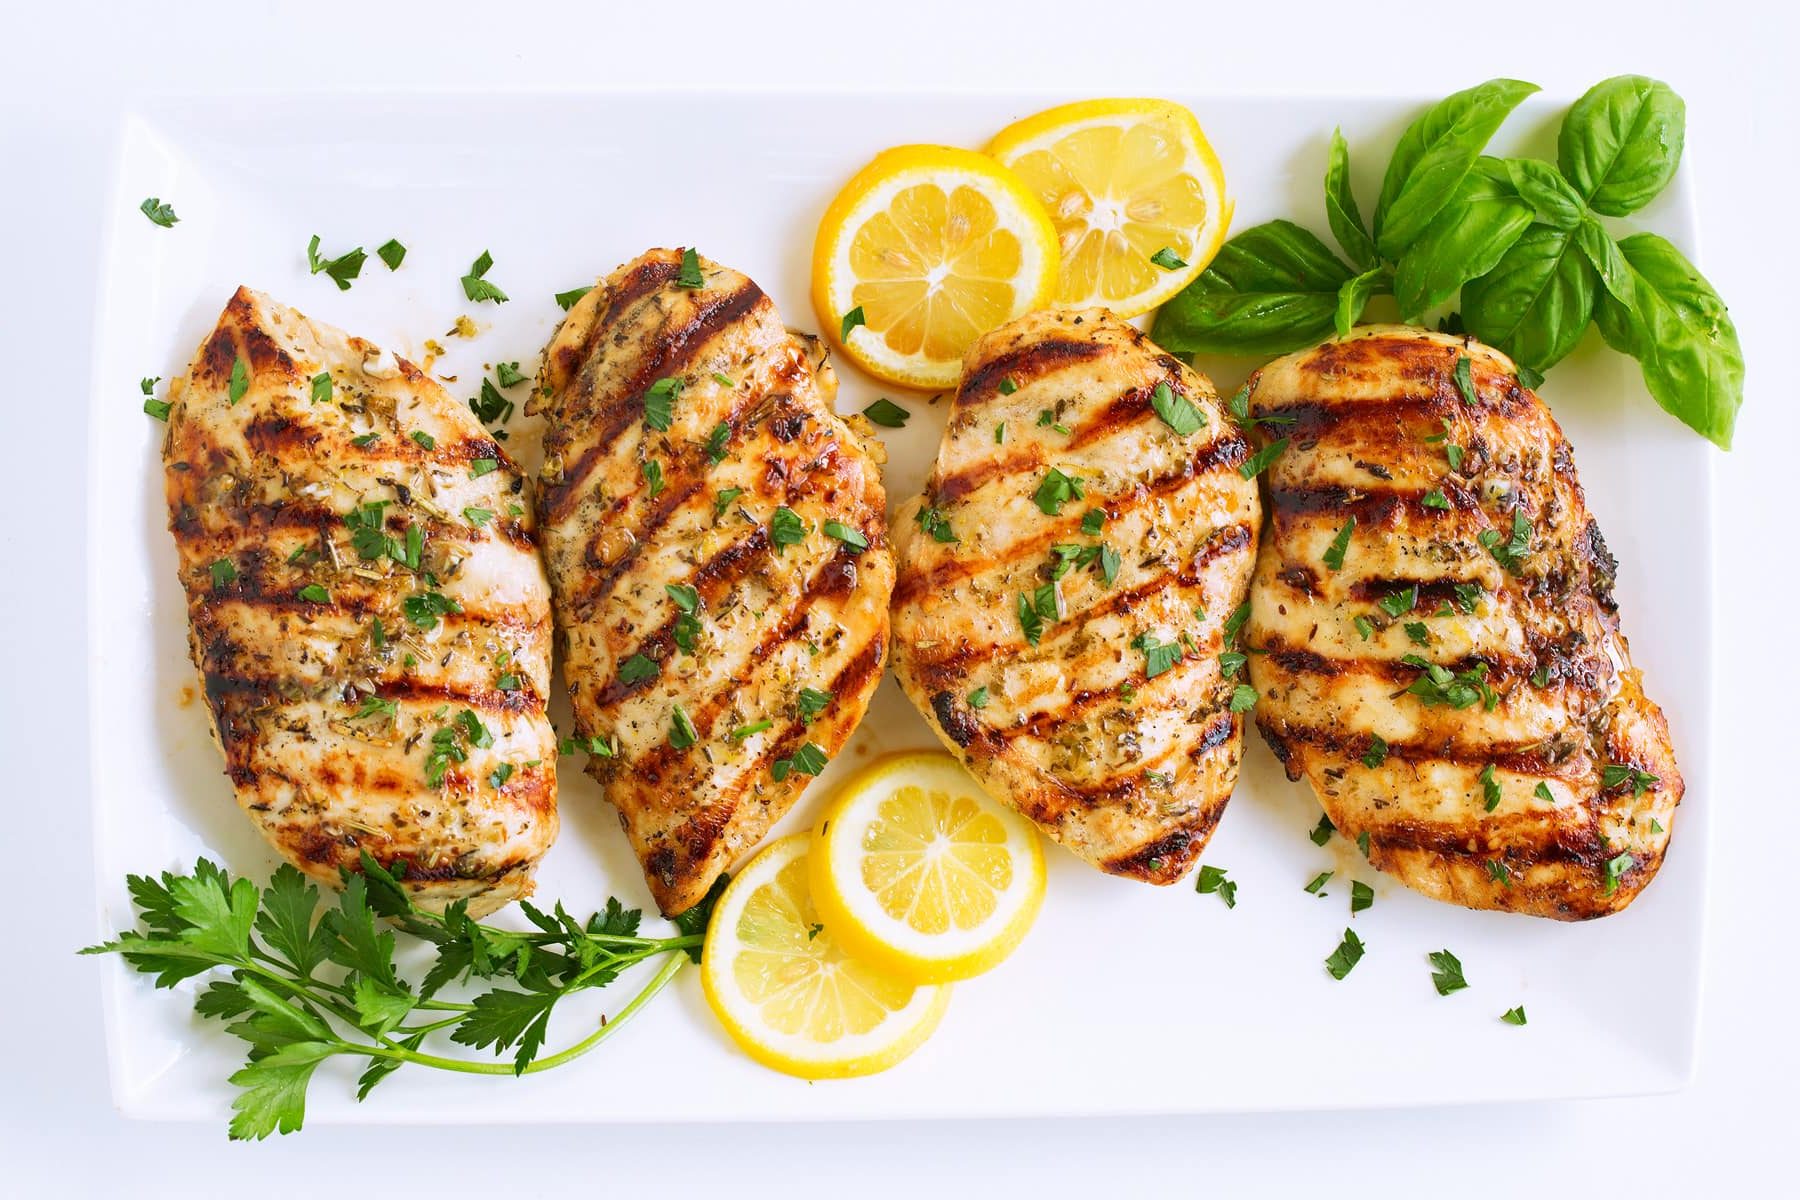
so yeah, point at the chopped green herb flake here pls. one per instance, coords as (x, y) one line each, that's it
(786, 528)
(689, 276)
(1334, 554)
(1260, 461)
(1344, 959)
(1515, 1016)
(1377, 752)
(1212, 879)
(1321, 833)
(1168, 260)
(886, 413)
(159, 213)
(392, 253)
(477, 288)
(638, 668)
(566, 300)
(851, 320)
(1447, 972)
(1177, 411)
(978, 698)
(1362, 896)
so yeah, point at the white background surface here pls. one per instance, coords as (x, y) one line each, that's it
(66, 74)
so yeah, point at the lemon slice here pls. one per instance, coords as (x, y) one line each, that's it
(786, 991)
(916, 870)
(930, 247)
(1135, 192)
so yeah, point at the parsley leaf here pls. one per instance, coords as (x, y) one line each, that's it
(223, 572)
(1615, 870)
(1168, 260)
(1362, 896)
(978, 698)
(1158, 656)
(717, 441)
(1511, 553)
(1516, 1016)
(886, 413)
(1377, 752)
(341, 270)
(392, 253)
(1056, 490)
(848, 535)
(1464, 382)
(1212, 880)
(159, 213)
(722, 500)
(566, 300)
(321, 388)
(1490, 788)
(812, 703)
(1334, 554)
(1616, 775)
(1177, 411)
(1243, 698)
(1344, 959)
(809, 759)
(682, 733)
(482, 466)
(1317, 886)
(935, 523)
(1261, 460)
(239, 382)
(1093, 521)
(476, 287)
(1322, 832)
(1402, 601)
(1447, 975)
(659, 402)
(313, 593)
(851, 320)
(653, 477)
(786, 528)
(689, 276)
(638, 668)
(424, 609)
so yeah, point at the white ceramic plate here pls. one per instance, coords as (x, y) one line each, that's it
(1125, 998)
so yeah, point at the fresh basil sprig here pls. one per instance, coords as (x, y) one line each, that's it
(1520, 240)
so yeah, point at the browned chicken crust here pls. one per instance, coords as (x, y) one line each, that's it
(721, 584)
(350, 617)
(1129, 771)
(1531, 773)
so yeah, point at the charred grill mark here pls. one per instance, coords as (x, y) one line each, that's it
(949, 571)
(1561, 762)
(956, 722)
(264, 689)
(954, 487)
(1298, 660)
(1026, 365)
(1433, 593)
(1384, 509)
(667, 354)
(1124, 409)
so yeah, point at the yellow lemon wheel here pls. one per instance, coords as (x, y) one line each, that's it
(932, 247)
(1135, 192)
(786, 991)
(916, 870)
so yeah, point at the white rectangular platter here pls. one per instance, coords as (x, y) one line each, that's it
(1126, 998)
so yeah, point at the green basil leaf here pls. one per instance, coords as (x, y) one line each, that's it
(1680, 332)
(1340, 207)
(1353, 297)
(1609, 262)
(1433, 156)
(1538, 184)
(1273, 288)
(1536, 302)
(1621, 142)
(1466, 239)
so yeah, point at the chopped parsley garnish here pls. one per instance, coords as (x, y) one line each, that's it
(223, 572)
(1621, 774)
(1530, 377)
(1231, 662)
(491, 407)
(722, 379)
(1234, 624)
(1346, 956)
(1334, 554)
(566, 300)
(886, 413)
(1243, 698)
(755, 727)
(687, 599)
(1615, 870)
(424, 439)
(1362, 896)
(159, 213)
(1321, 833)
(1362, 842)
(154, 407)
(1439, 686)
(1498, 873)
(722, 500)
(392, 253)
(1047, 420)
(595, 745)
(1036, 608)
(1177, 411)
(1317, 886)
(1109, 564)
(1212, 879)
(1000, 434)
(1260, 461)
(1007, 386)
(717, 441)
(482, 466)
(478, 516)
(682, 733)
(935, 523)
(812, 702)
(499, 775)
(508, 681)
(638, 668)
(653, 476)
(809, 759)
(1542, 792)
(376, 706)
(341, 269)
(689, 276)
(786, 529)
(1417, 634)
(1056, 490)
(1093, 521)
(851, 320)
(1447, 971)
(321, 388)
(1468, 595)
(1377, 752)
(476, 287)
(313, 593)
(424, 609)
(1465, 382)
(659, 402)
(1541, 677)
(1402, 601)
(1454, 454)
(1490, 788)
(509, 374)
(1656, 826)
(1435, 499)
(849, 535)
(1364, 627)
(1516, 1016)
(1158, 656)
(1511, 553)
(978, 698)
(1168, 260)
(239, 382)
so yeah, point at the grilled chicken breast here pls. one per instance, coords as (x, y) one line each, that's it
(1435, 637)
(366, 608)
(1066, 581)
(718, 556)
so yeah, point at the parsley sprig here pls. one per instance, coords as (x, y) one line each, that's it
(302, 987)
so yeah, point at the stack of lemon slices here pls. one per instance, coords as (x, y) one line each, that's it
(831, 954)
(1118, 203)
